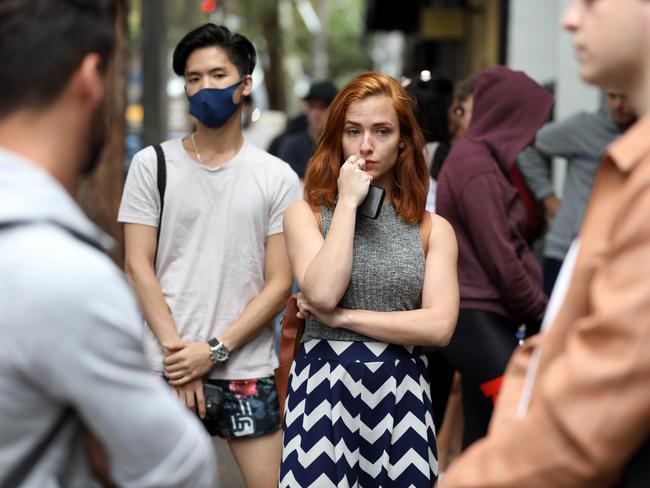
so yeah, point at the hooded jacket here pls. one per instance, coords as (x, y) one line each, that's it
(497, 270)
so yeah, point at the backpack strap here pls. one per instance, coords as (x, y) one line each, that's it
(425, 232)
(76, 234)
(20, 472)
(161, 182)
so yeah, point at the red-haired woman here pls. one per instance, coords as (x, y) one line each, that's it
(358, 408)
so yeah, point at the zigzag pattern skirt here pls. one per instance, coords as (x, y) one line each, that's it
(358, 414)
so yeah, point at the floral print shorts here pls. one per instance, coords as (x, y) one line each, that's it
(250, 408)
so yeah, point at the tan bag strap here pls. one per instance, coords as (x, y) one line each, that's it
(425, 232)
(291, 332)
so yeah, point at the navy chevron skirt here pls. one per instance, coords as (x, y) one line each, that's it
(358, 414)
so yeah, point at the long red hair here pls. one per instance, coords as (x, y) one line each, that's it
(410, 175)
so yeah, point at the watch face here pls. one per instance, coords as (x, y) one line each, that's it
(220, 353)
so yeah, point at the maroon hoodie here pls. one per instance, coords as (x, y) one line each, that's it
(496, 268)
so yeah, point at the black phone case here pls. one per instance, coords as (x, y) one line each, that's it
(371, 205)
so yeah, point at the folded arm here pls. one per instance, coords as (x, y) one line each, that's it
(434, 323)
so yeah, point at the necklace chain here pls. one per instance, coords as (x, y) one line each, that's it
(196, 151)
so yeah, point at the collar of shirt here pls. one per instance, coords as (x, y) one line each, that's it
(631, 147)
(30, 194)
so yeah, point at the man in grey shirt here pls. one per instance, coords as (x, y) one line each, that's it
(581, 139)
(71, 360)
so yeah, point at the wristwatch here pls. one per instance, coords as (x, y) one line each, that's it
(219, 353)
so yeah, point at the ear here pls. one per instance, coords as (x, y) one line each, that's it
(402, 145)
(248, 85)
(88, 81)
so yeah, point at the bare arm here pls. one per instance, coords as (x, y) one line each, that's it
(265, 306)
(322, 267)
(194, 361)
(434, 323)
(140, 245)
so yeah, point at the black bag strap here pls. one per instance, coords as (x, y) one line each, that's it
(162, 184)
(77, 235)
(20, 472)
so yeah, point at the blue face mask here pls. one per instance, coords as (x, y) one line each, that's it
(214, 106)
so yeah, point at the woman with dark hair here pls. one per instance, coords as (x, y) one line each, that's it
(432, 98)
(358, 410)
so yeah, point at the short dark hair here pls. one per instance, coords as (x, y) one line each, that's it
(42, 43)
(239, 49)
(464, 88)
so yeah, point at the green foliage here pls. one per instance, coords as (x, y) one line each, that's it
(258, 20)
(348, 55)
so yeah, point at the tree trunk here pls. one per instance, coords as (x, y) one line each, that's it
(99, 195)
(154, 65)
(320, 56)
(273, 72)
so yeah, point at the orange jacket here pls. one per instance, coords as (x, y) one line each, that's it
(589, 408)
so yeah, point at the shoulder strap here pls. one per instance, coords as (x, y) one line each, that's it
(20, 472)
(77, 235)
(425, 232)
(161, 182)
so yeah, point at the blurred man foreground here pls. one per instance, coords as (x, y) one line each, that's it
(70, 354)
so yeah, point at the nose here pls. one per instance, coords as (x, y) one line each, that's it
(366, 147)
(572, 15)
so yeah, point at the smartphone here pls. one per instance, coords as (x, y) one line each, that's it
(371, 205)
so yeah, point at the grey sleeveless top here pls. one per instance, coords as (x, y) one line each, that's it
(387, 271)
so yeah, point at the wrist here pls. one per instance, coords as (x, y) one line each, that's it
(219, 353)
(341, 318)
(347, 203)
(172, 344)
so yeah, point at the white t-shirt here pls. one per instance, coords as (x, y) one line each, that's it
(212, 244)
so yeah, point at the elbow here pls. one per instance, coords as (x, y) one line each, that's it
(445, 338)
(324, 304)
(137, 271)
(321, 299)
(129, 271)
(449, 327)
(445, 329)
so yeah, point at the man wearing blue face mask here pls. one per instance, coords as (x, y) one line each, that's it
(211, 270)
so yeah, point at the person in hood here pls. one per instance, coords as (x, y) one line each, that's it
(500, 279)
(71, 358)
